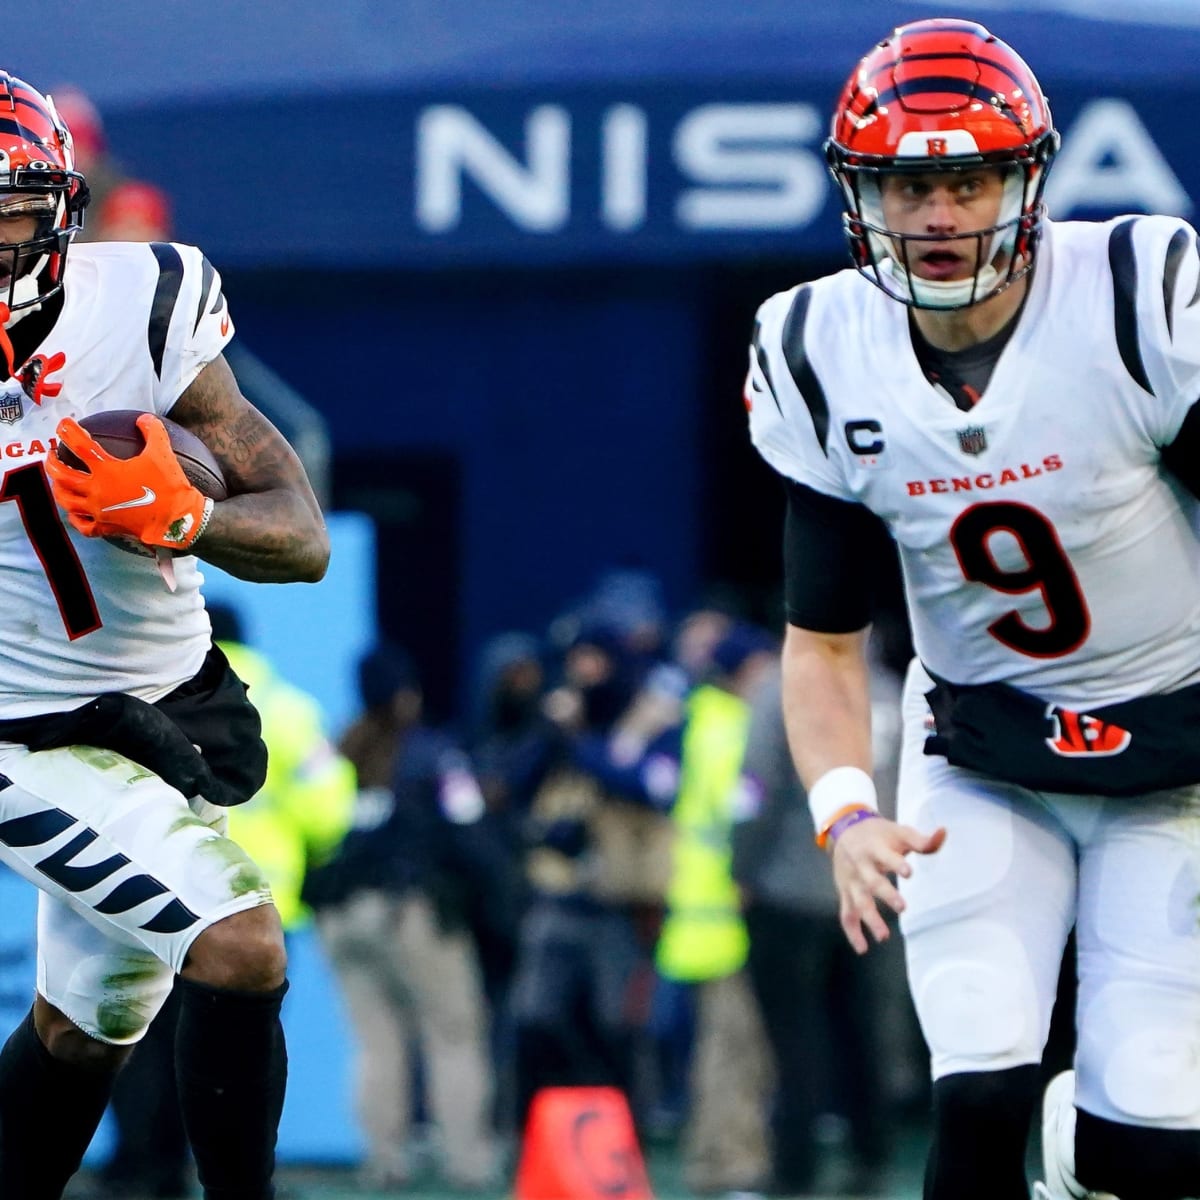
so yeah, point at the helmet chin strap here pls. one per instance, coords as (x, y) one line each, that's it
(24, 290)
(939, 293)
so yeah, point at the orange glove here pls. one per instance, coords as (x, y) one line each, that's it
(146, 497)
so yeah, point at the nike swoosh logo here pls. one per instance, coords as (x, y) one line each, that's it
(147, 497)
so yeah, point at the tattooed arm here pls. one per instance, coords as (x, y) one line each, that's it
(270, 529)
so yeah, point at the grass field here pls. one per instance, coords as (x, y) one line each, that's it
(903, 1183)
(337, 1182)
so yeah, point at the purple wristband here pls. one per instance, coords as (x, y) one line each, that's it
(851, 818)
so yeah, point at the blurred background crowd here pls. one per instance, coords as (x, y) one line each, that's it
(604, 875)
(494, 269)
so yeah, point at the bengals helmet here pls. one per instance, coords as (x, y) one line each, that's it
(942, 95)
(38, 179)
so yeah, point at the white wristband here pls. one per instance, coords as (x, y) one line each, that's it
(837, 790)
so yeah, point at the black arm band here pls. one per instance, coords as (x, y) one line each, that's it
(833, 552)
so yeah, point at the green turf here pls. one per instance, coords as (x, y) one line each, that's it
(663, 1164)
(903, 1180)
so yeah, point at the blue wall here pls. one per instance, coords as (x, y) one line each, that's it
(571, 411)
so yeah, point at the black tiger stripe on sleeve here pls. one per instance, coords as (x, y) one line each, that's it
(206, 279)
(1195, 294)
(166, 293)
(1175, 260)
(1176, 252)
(764, 365)
(1123, 264)
(803, 375)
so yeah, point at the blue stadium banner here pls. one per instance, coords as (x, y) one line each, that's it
(594, 176)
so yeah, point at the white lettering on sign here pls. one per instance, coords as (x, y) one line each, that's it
(623, 178)
(732, 168)
(760, 173)
(452, 144)
(1109, 160)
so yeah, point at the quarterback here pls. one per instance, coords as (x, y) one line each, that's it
(123, 731)
(1014, 401)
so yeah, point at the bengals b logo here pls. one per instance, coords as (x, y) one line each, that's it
(1077, 734)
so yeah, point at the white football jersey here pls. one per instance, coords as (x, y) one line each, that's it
(1042, 542)
(79, 617)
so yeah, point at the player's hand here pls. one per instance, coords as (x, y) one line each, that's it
(146, 497)
(866, 857)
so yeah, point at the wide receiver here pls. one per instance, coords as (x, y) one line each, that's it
(121, 727)
(1015, 403)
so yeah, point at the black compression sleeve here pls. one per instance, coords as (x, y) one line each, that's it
(39, 1153)
(833, 551)
(231, 1063)
(1182, 456)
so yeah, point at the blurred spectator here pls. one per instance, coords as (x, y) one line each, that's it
(597, 869)
(630, 600)
(696, 637)
(627, 601)
(392, 908)
(134, 211)
(639, 757)
(658, 706)
(513, 740)
(704, 940)
(513, 746)
(121, 209)
(824, 1007)
(83, 119)
(295, 820)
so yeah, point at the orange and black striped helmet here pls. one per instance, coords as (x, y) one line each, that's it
(942, 95)
(37, 178)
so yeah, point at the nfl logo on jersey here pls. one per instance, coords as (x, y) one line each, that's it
(12, 407)
(972, 440)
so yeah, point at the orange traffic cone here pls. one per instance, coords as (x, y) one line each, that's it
(580, 1145)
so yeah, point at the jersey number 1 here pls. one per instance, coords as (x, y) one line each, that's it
(29, 487)
(1047, 570)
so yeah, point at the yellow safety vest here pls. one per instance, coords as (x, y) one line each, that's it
(306, 804)
(703, 935)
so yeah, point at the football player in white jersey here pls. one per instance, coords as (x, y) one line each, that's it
(122, 730)
(1014, 402)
